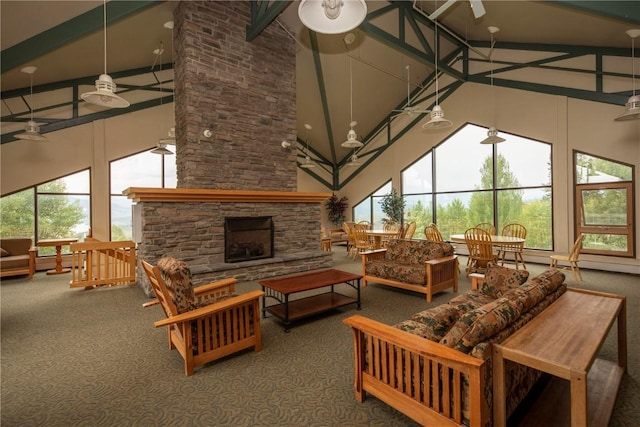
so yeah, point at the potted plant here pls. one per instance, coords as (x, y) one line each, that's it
(336, 206)
(392, 206)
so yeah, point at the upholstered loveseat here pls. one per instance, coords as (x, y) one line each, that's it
(415, 265)
(435, 367)
(18, 257)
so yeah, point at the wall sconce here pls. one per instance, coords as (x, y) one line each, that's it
(205, 134)
(285, 144)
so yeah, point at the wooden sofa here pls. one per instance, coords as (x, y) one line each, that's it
(415, 265)
(18, 257)
(445, 378)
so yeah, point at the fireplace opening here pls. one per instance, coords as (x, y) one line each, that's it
(248, 238)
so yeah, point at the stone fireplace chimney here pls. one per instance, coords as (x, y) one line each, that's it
(245, 94)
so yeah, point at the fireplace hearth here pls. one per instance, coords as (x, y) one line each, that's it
(248, 238)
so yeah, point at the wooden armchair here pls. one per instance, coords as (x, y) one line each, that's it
(204, 323)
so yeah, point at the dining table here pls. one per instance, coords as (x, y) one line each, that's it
(378, 235)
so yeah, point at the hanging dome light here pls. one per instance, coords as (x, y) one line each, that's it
(332, 16)
(492, 133)
(632, 107)
(354, 160)
(105, 93)
(31, 129)
(162, 149)
(437, 114)
(307, 163)
(352, 136)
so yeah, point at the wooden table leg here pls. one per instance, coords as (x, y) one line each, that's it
(499, 398)
(579, 399)
(59, 269)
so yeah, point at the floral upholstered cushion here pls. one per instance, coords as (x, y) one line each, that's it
(416, 251)
(406, 273)
(549, 279)
(437, 320)
(498, 280)
(177, 277)
(526, 296)
(480, 324)
(470, 300)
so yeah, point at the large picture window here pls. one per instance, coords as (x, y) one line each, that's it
(604, 205)
(60, 208)
(461, 183)
(139, 170)
(369, 208)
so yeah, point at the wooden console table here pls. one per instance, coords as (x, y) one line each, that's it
(58, 243)
(564, 341)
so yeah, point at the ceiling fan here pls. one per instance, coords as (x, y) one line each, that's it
(409, 109)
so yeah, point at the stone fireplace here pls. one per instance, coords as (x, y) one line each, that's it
(248, 238)
(245, 94)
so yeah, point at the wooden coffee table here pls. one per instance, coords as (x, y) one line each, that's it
(290, 310)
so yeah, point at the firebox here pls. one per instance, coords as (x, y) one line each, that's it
(248, 238)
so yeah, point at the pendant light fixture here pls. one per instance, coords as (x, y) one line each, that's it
(437, 121)
(332, 16)
(492, 133)
(31, 129)
(632, 107)
(352, 136)
(105, 93)
(162, 143)
(307, 163)
(354, 161)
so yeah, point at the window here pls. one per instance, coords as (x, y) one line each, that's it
(369, 208)
(139, 170)
(604, 205)
(461, 183)
(52, 210)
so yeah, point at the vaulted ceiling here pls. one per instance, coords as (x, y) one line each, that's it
(391, 52)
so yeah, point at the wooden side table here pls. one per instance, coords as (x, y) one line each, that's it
(564, 341)
(58, 243)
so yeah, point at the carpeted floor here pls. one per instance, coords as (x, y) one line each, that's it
(72, 357)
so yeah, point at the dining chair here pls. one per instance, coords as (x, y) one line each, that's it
(572, 258)
(390, 226)
(513, 230)
(364, 223)
(480, 249)
(432, 233)
(488, 227)
(351, 245)
(362, 241)
(410, 231)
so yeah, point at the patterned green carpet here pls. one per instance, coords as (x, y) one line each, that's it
(72, 357)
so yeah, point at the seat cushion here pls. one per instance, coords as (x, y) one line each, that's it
(498, 280)
(177, 277)
(406, 273)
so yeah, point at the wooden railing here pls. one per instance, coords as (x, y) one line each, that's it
(96, 263)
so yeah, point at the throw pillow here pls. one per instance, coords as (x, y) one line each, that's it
(437, 321)
(550, 280)
(480, 324)
(4, 252)
(498, 280)
(177, 277)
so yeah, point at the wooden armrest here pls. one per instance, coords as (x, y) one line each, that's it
(216, 285)
(374, 254)
(442, 260)
(211, 308)
(151, 303)
(409, 341)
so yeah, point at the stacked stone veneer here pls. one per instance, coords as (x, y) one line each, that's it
(244, 92)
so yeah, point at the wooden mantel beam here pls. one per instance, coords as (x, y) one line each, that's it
(138, 194)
